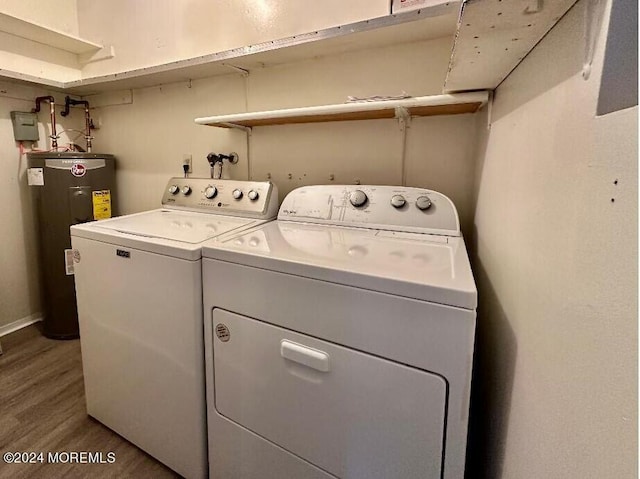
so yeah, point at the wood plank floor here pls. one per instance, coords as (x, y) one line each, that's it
(42, 408)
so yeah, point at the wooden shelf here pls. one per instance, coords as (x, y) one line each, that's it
(47, 36)
(432, 22)
(494, 37)
(420, 106)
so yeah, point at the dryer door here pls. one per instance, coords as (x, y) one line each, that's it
(351, 414)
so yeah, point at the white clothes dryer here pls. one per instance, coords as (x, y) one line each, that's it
(139, 291)
(348, 351)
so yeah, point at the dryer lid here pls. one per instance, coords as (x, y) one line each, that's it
(426, 267)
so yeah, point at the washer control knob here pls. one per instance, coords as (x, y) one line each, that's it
(186, 190)
(237, 194)
(174, 190)
(358, 198)
(423, 203)
(210, 192)
(253, 195)
(398, 201)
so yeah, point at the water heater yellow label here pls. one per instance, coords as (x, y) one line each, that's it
(101, 204)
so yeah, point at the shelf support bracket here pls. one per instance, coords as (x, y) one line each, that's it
(404, 117)
(490, 109)
(242, 71)
(246, 129)
(105, 53)
(592, 22)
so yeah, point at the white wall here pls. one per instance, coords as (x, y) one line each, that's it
(150, 135)
(19, 281)
(61, 15)
(37, 59)
(152, 32)
(555, 387)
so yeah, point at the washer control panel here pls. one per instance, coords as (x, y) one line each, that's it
(394, 208)
(230, 197)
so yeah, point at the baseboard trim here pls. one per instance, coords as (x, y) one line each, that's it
(19, 324)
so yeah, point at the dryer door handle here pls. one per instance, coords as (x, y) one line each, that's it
(312, 358)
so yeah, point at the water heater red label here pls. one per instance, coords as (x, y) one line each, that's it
(78, 170)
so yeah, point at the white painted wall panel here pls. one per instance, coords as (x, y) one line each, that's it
(364, 151)
(556, 261)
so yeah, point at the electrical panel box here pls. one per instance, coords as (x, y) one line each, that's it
(25, 126)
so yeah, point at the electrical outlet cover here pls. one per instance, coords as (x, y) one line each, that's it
(186, 160)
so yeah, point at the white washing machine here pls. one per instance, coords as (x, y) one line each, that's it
(139, 291)
(348, 351)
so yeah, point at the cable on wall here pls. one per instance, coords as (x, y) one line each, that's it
(245, 74)
(404, 121)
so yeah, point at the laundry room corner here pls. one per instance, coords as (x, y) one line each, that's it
(20, 284)
(267, 239)
(555, 256)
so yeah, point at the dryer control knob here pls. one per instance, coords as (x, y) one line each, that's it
(423, 203)
(253, 195)
(210, 192)
(186, 190)
(237, 194)
(174, 190)
(358, 198)
(398, 201)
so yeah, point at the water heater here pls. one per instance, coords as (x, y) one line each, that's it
(69, 188)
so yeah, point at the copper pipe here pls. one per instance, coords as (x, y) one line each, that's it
(87, 125)
(87, 117)
(52, 106)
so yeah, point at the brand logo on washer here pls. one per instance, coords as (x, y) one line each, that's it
(223, 332)
(78, 170)
(123, 253)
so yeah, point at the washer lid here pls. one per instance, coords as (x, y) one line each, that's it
(420, 266)
(168, 232)
(182, 226)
